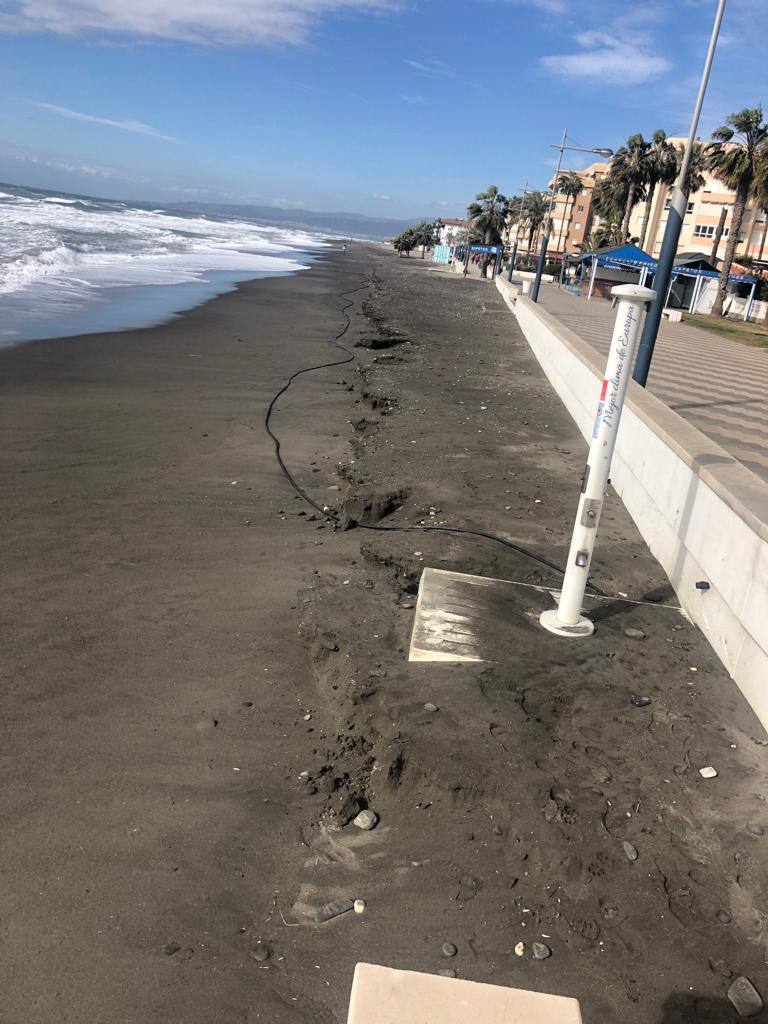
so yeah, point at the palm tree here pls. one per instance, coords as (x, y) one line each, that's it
(629, 169)
(697, 167)
(425, 235)
(661, 168)
(489, 214)
(535, 207)
(405, 242)
(761, 190)
(718, 236)
(736, 157)
(609, 198)
(569, 185)
(603, 235)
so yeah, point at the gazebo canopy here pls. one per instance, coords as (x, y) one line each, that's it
(630, 257)
(621, 257)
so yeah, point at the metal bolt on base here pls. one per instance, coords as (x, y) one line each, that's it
(567, 619)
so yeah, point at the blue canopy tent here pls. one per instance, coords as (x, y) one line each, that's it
(630, 258)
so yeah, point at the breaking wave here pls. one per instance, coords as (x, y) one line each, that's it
(64, 259)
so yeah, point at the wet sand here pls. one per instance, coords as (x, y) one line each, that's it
(151, 665)
(173, 613)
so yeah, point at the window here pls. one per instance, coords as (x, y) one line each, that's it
(666, 205)
(577, 227)
(708, 231)
(579, 209)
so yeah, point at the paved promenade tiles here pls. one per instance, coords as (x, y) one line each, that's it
(719, 386)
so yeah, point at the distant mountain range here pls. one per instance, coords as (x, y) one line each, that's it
(348, 225)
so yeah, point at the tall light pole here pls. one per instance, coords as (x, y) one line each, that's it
(548, 223)
(677, 209)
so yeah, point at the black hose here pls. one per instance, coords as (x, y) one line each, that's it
(323, 510)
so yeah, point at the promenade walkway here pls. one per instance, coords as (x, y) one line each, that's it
(720, 386)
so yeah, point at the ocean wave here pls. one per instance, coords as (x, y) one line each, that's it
(40, 239)
(59, 252)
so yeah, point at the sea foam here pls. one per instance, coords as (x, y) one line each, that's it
(62, 256)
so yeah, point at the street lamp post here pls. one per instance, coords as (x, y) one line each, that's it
(548, 223)
(677, 210)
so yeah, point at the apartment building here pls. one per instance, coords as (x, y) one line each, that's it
(572, 218)
(453, 231)
(701, 220)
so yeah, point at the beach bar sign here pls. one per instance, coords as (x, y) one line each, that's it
(488, 250)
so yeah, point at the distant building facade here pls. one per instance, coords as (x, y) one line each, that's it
(701, 220)
(572, 218)
(453, 231)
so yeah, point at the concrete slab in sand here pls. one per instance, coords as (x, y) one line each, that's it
(464, 618)
(381, 995)
(469, 618)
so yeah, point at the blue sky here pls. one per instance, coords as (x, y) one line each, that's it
(386, 107)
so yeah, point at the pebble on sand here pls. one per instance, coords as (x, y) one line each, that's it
(630, 850)
(447, 972)
(366, 820)
(520, 949)
(431, 707)
(634, 634)
(640, 702)
(359, 906)
(541, 951)
(448, 949)
(261, 951)
(708, 772)
(745, 998)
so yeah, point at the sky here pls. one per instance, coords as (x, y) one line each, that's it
(391, 108)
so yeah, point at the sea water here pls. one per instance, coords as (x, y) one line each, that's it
(73, 265)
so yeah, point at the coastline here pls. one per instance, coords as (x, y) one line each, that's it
(204, 679)
(151, 662)
(124, 308)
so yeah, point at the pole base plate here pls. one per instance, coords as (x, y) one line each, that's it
(550, 622)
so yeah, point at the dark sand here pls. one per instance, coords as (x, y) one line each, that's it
(170, 617)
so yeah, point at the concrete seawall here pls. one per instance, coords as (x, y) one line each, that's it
(703, 515)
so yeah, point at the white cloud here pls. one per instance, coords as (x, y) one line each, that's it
(229, 22)
(431, 68)
(609, 59)
(413, 98)
(553, 6)
(22, 154)
(126, 126)
(382, 198)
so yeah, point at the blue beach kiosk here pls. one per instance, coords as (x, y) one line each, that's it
(694, 268)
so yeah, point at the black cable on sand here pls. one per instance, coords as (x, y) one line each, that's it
(323, 510)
